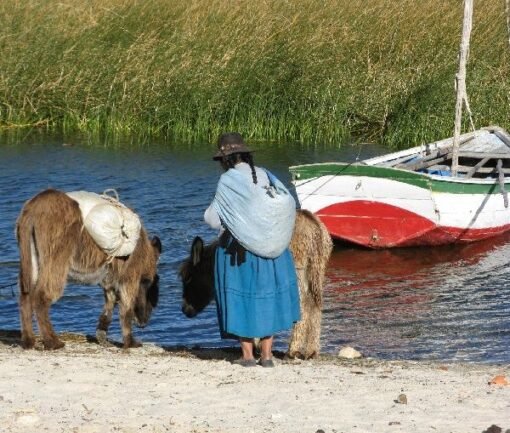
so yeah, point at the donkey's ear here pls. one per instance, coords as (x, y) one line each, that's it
(197, 247)
(156, 243)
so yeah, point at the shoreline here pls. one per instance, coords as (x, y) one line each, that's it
(85, 387)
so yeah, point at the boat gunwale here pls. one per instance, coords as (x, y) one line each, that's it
(438, 145)
(435, 177)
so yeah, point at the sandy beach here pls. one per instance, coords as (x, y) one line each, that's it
(87, 388)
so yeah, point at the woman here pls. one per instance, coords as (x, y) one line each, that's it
(255, 279)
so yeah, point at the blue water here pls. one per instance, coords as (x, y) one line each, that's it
(448, 303)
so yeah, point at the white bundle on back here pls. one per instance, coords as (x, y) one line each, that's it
(114, 227)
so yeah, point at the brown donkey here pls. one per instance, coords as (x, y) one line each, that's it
(54, 248)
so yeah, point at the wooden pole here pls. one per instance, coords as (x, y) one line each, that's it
(507, 8)
(501, 180)
(460, 80)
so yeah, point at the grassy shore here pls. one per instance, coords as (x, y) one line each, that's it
(305, 70)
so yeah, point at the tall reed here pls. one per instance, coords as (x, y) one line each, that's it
(306, 70)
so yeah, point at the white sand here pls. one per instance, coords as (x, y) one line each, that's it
(87, 388)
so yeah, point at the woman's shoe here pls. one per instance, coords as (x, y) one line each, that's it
(267, 363)
(245, 362)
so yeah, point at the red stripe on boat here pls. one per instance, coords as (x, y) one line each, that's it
(380, 225)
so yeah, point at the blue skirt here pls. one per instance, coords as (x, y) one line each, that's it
(257, 298)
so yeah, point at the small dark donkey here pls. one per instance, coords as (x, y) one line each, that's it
(311, 247)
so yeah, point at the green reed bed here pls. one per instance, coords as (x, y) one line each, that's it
(306, 70)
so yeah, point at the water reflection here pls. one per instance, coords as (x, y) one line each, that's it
(438, 303)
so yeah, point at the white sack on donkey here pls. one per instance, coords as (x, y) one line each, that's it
(260, 219)
(114, 227)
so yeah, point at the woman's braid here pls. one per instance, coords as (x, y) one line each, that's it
(229, 161)
(248, 158)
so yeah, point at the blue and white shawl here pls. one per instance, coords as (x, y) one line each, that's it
(260, 218)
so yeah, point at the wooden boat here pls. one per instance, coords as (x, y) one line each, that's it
(410, 198)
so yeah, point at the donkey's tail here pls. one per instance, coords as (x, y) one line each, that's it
(27, 253)
(319, 261)
(317, 244)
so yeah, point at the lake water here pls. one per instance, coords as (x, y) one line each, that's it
(447, 303)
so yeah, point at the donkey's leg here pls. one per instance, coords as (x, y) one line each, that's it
(42, 306)
(313, 330)
(105, 319)
(298, 333)
(27, 330)
(28, 274)
(298, 337)
(126, 315)
(48, 289)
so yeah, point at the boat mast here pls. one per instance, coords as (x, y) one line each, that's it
(460, 81)
(507, 7)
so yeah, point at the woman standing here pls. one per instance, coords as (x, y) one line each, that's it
(255, 279)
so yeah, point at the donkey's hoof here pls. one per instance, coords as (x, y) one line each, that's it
(102, 338)
(130, 342)
(53, 344)
(27, 342)
(312, 355)
(293, 355)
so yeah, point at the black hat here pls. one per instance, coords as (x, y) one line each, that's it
(229, 143)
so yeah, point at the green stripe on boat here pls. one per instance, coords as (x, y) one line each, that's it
(421, 180)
